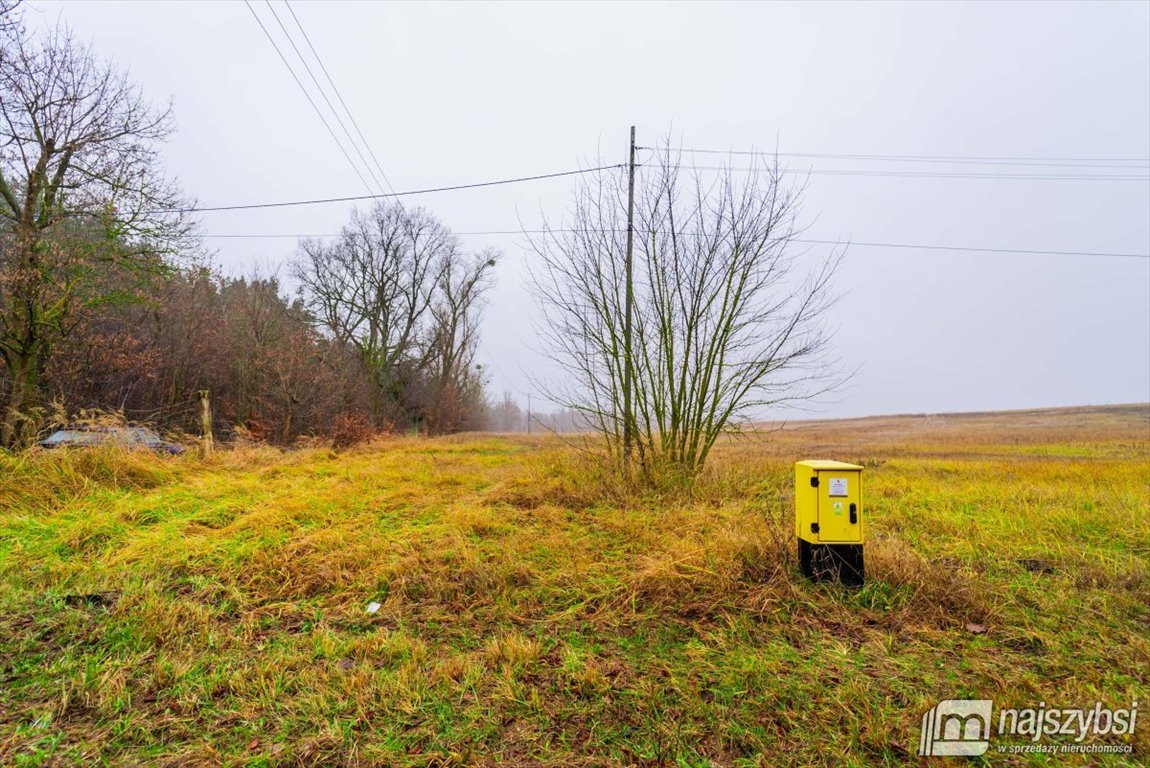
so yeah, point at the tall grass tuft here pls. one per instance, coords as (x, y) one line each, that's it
(43, 480)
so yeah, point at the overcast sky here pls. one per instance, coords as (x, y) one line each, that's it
(457, 93)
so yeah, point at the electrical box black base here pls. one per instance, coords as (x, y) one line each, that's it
(832, 562)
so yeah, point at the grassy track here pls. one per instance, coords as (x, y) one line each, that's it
(168, 611)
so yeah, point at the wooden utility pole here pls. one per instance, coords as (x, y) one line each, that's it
(628, 370)
(206, 421)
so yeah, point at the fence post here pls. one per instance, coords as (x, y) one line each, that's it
(206, 421)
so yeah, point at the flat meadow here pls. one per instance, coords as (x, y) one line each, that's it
(176, 611)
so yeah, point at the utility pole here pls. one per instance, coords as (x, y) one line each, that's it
(529, 413)
(628, 370)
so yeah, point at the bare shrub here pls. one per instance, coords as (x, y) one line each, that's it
(721, 325)
(351, 429)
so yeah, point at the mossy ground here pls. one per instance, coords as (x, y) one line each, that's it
(172, 611)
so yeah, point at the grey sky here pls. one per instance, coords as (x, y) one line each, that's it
(457, 93)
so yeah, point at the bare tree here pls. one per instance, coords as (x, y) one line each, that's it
(396, 287)
(79, 194)
(454, 381)
(372, 288)
(722, 325)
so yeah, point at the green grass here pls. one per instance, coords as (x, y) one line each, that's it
(170, 611)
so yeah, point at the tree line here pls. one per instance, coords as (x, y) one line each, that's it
(107, 301)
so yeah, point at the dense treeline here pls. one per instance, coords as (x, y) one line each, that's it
(272, 369)
(106, 303)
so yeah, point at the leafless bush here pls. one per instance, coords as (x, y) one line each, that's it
(722, 326)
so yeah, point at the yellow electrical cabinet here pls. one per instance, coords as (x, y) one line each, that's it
(829, 519)
(828, 502)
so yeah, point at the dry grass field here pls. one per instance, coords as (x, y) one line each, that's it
(172, 611)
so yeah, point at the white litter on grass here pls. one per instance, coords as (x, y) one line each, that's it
(373, 607)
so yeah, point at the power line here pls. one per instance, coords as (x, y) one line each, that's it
(407, 193)
(852, 243)
(1025, 251)
(925, 174)
(1066, 162)
(323, 93)
(616, 166)
(339, 96)
(307, 95)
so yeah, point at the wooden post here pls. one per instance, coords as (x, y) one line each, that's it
(206, 421)
(628, 370)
